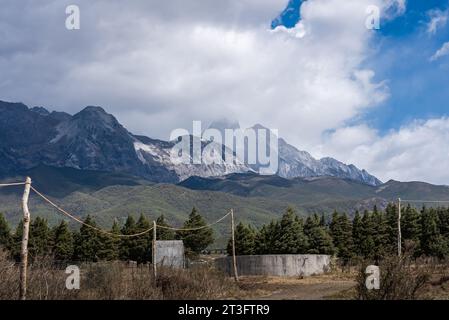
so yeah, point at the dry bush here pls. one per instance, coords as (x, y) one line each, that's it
(401, 278)
(113, 280)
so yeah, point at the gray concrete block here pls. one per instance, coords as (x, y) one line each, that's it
(276, 265)
(170, 253)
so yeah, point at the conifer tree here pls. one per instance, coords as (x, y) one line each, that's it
(16, 242)
(411, 227)
(244, 240)
(87, 242)
(357, 234)
(63, 242)
(292, 239)
(341, 232)
(127, 244)
(141, 252)
(368, 244)
(432, 241)
(320, 242)
(110, 244)
(268, 238)
(162, 233)
(380, 234)
(5, 233)
(39, 242)
(196, 241)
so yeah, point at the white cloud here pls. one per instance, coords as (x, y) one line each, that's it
(437, 19)
(158, 65)
(443, 51)
(417, 151)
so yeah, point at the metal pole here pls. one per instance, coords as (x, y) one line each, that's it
(399, 229)
(24, 249)
(234, 260)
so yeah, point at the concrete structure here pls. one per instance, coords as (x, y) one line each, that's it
(276, 265)
(170, 253)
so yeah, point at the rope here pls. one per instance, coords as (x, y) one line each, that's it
(12, 184)
(197, 228)
(86, 224)
(73, 217)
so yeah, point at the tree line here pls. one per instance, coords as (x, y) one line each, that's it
(370, 235)
(89, 245)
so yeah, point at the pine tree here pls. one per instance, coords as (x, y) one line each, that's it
(244, 240)
(432, 241)
(357, 234)
(110, 244)
(39, 243)
(162, 233)
(392, 213)
(17, 241)
(380, 234)
(268, 239)
(411, 227)
(87, 242)
(141, 252)
(127, 244)
(368, 244)
(341, 232)
(5, 233)
(320, 242)
(63, 243)
(196, 241)
(292, 239)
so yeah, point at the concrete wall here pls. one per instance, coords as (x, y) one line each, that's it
(276, 265)
(170, 253)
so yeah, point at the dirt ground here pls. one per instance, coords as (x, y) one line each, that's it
(320, 287)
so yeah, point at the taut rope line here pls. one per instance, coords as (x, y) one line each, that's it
(86, 224)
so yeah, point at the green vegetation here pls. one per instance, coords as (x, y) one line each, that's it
(371, 236)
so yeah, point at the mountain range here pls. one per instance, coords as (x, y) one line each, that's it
(90, 164)
(94, 140)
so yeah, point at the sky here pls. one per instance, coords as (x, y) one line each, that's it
(376, 98)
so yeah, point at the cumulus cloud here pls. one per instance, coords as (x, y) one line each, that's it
(417, 151)
(443, 51)
(437, 19)
(158, 65)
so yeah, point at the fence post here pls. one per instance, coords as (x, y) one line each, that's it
(234, 260)
(24, 248)
(154, 251)
(399, 229)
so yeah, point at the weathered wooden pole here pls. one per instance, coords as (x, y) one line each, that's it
(24, 249)
(234, 259)
(399, 229)
(154, 251)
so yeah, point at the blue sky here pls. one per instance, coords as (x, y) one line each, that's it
(419, 88)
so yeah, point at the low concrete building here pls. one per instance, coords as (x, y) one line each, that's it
(170, 253)
(276, 265)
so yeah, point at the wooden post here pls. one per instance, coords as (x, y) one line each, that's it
(154, 251)
(24, 249)
(399, 229)
(234, 260)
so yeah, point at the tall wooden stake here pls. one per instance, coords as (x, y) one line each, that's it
(234, 260)
(399, 229)
(24, 249)
(154, 251)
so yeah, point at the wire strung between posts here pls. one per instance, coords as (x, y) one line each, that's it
(12, 184)
(197, 228)
(86, 224)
